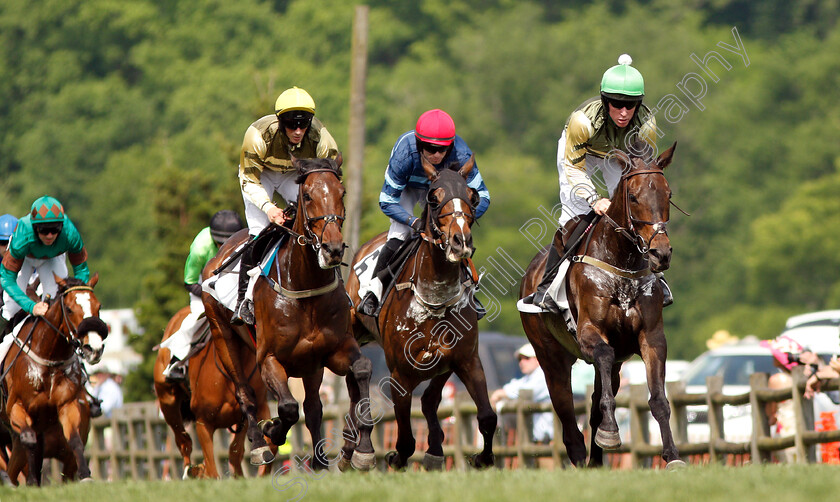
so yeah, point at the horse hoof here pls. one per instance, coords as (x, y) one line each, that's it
(478, 463)
(186, 474)
(343, 463)
(675, 465)
(261, 456)
(363, 461)
(392, 458)
(433, 462)
(607, 440)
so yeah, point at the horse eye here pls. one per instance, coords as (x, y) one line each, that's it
(633, 198)
(307, 197)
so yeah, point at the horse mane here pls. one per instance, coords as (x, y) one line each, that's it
(304, 166)
(641, 149)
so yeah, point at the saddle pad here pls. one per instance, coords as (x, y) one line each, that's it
(224, 287)
(364, 269)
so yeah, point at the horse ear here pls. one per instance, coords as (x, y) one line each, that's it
(93, 280)
(60, 281)
(338, 159)
(467, 167)
(428, 168)
(664, 160)
(475, 199)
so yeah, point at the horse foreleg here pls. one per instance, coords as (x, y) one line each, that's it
(358, 447)
(275, 377)
(405, 437)
(606, 435)
(170, 407)
(17, 461)
(70, 418)
(236, 452)
(557, 363)
(228, 351)
(21, 424)
(658, 402)
(205, 439)
(434, 459)
(313, 411)
(472, 375)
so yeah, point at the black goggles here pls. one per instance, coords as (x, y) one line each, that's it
(432, 148)
(294, 124)
(619, 104)
(49, 228)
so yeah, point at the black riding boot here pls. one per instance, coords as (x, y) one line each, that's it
(244, 311)
(667, 296)
(538, 297)
(370, 304)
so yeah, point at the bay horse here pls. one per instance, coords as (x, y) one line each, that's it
(617, 302)
(427, 325)
(302, 325)
(209, 401)
(45, 382)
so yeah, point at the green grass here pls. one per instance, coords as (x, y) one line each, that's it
(766, 483)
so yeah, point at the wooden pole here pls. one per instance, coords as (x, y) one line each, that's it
(356, 147)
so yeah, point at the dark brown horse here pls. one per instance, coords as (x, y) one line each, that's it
(427, 325)
(45, 382)
(209, 401)
(617, 302)
(303, 320)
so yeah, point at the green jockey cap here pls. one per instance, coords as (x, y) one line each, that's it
(622, 81)
(46, 209)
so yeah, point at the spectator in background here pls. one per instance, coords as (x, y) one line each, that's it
(7, 229)
(107, 390)
(787, 354)
(533, 380)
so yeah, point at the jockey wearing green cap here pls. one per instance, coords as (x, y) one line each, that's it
(39, 243)
(600, 125)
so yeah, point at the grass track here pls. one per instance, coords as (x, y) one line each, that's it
(767, 483)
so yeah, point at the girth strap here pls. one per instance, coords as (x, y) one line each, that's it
(629, 274)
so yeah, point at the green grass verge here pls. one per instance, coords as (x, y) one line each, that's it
(742, 484)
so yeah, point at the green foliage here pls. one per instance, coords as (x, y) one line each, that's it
(132, 114)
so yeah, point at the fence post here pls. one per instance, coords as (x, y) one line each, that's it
(714, 386)
(461, 433)
(803, 411)
(679, 420)
(523, 425)
(760, 423)
(639, 433)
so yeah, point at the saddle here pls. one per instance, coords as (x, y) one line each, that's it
(388, 275)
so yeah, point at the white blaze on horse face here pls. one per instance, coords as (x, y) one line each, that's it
(94, 341)
(460, 220)
(83, 301)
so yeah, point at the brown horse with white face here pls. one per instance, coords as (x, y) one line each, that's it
(303, 317)
(428, 325)
(46, 382)
(616, 299)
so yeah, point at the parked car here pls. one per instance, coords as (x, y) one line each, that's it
(496, 351)
(817, 331)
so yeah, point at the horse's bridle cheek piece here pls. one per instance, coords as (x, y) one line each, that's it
(311, 237)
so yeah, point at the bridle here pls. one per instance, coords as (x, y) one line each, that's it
(70, 337)
(439, 237)
(309, 236)
(659, 227)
